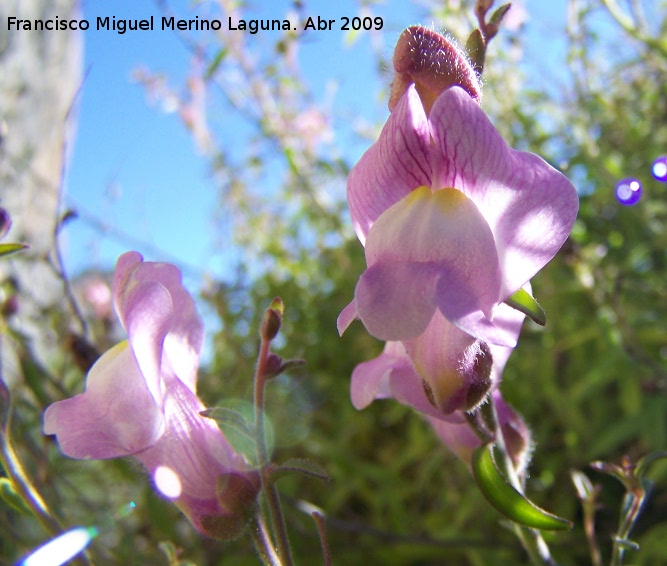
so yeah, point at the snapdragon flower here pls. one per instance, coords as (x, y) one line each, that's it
(454, 222)
(140, 400)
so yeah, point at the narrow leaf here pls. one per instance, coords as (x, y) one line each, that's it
(646, 461)
(301, 466)
(525, 303)
(499, 14)
(6, 249)
(13, 499)
(291, 364)
(626, 543)
(515, 506)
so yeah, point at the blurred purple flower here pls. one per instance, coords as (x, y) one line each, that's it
(140, 401)
(5, 222)
(454, 222)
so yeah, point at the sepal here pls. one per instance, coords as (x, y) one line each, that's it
(237, 495)
(6, 249)
(506, 499)
(524, 302)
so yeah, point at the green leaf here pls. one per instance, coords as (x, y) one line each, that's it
(13, 499)
(291, 364)
(515, 506)
(646, 461)
(525, 303)
(301, 466)
(476, 50)
(6, 249)
(226, 417)
(499, 14)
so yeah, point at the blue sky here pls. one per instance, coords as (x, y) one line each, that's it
(134, 168)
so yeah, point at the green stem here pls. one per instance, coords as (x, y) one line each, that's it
(263, 544)
(24, 488)
(629, 26)
(322, 532)
(268, 488)
(618, 549)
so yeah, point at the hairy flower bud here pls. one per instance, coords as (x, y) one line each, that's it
(433, 63)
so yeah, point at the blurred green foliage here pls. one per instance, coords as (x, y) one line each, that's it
(592, 384)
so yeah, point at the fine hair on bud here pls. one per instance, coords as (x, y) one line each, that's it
(433, 63)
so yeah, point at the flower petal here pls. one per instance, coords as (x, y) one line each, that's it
(396, 301)
(407, 387)
(458, 437)
(391, 374)
(529, 206)
(148, 314)
(445, 231)
(115, 416)
(392, 167)
(194, 453)
(194, 447)
(447, 359)
(346, 316)
(370, 380)
(184, 339)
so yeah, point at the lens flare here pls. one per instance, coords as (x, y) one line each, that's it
(660, 169)
(62, 548)
(168, 482)
(628, 191)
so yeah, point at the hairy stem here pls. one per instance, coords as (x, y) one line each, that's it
(268, 488)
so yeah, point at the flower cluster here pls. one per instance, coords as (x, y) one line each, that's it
(454, 222)
(141, 401)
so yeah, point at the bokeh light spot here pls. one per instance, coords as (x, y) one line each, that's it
(62, 548)
(167, 481)
(628, 191)
(660, 168)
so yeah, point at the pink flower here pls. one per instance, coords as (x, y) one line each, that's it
(140, 401)
(392, 374)
(454, 222)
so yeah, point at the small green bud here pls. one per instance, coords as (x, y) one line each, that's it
(273, 318)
